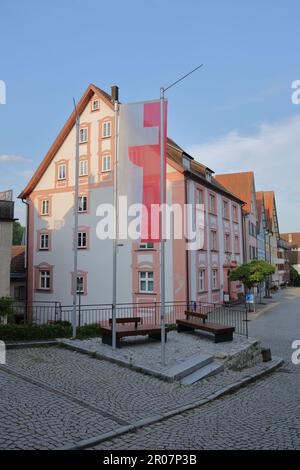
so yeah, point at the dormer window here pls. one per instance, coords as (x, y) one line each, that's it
(95, 105)
(208, 174)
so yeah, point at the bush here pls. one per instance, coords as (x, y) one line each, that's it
(59, 329)
(13, 332)
(88, 331)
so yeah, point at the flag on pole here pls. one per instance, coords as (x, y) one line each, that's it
(139, 165)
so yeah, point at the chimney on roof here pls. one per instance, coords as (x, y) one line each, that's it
(114, 93)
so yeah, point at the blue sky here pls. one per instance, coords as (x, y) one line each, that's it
(240, 102)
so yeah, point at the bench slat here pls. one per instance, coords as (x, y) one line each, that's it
(211, 327)
(189, 313)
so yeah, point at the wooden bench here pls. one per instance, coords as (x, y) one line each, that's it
(131, 326)
(221, 332)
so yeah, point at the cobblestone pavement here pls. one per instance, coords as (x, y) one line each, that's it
(53, 397)
(265, 415)
(82, 397)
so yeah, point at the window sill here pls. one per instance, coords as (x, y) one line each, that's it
(203, 292)
(215, 290)
(43, 249)
(106, 137)
(145, 293)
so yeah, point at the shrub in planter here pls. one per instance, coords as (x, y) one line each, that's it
(11, 332)
(88, 331)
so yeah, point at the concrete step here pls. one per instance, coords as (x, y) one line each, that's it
(188, 367)
(210, 369)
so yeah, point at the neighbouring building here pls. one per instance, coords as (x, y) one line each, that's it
(261, 226)
(18, 274)
(190, 275)
(243, 185)
(272, 235)
(283, 262)
(6, 234)
(293, 241)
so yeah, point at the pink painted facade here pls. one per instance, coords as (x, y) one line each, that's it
(200, 275)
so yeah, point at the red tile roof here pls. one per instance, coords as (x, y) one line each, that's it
(17, 264)
(240, 184)
(295, 238)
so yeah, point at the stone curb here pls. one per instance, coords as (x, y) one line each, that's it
(275, 363)
(30, 344)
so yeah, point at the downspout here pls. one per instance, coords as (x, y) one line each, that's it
(26, 257)
(186, 251)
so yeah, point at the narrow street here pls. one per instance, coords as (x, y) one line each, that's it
(265, 415)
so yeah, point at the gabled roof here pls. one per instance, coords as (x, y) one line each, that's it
(174, 151)
(90, 91)
(240, 184)
(271, 212)
(260, 205)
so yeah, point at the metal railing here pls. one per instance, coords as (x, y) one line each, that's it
(149, 312)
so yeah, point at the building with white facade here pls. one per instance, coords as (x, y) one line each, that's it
(50, 194)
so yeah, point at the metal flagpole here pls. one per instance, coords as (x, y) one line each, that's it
(75, 269)
(162, 227)
(116, 222)
(162, 211)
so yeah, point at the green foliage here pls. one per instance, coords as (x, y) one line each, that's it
(88, 331)
(12, 332)
(253, 273)
(6, 306)
(295, 277)
(18, 232)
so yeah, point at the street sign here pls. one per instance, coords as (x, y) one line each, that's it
(250, 298)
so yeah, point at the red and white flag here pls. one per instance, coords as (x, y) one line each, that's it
(139, 165)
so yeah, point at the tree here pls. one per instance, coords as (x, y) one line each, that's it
(18, 232)
(295, 277)
(6, 308)
(253, 273)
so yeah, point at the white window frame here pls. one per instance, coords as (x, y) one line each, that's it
(83, 165)
(105, 126)
(227, 243)
(235, 213)
(61, 171)
(81, 203)
(80, 291)
(236, 244)
(105, 167)
(43, 238)
(83, 135)
(145, 246)
(225, 209)
(44, 278)
(212, 203)
(202, 280)
(95, 108)
(214, 279)
(82, 239)
(213, 240)
(146, 278)
(45, 202)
